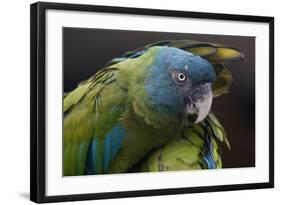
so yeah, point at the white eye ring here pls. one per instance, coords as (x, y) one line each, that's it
(181, 77)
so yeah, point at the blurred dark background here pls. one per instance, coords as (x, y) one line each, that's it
(85, 51)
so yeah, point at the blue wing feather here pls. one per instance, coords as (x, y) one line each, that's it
(91, 157)
(112, 143)
(207, 155)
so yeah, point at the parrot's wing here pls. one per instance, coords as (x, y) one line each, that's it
(210, 130)
(196, 148)
(217, 54)
(92, 132)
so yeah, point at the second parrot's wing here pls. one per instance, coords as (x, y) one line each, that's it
(92, 132)
(196, 148)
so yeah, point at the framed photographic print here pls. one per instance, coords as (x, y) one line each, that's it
(129, 102)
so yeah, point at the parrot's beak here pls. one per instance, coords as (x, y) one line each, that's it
(199, 101)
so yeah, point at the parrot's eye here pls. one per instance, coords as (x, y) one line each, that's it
(179, 77)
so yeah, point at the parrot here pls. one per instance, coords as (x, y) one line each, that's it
(149, 110)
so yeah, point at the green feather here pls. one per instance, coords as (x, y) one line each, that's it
(217, 129)
(223, 80)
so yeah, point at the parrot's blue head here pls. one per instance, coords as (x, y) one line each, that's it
(179, 82)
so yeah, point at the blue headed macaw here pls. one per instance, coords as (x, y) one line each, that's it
(149, 110)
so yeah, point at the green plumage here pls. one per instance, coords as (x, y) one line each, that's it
(154, 141)
(185, 152)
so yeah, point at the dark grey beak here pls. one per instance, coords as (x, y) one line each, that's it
(199, 101)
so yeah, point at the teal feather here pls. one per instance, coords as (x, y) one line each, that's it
(112, 143)
(91, 158)
(207, 155)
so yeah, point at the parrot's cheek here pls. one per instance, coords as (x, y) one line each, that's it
(199, 101)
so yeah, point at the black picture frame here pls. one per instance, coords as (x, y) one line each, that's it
(38, 101)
